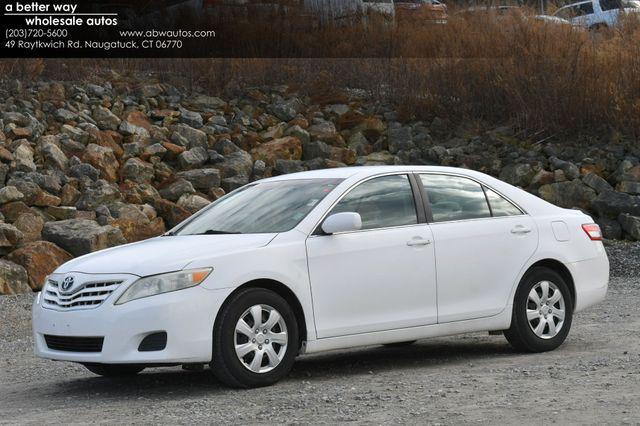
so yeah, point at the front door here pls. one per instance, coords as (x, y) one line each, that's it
(381, 277)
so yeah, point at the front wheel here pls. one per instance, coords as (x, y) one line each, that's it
(114, 370)
(542, 312)
(255, 339)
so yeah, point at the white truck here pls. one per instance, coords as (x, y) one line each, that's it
(596, 14)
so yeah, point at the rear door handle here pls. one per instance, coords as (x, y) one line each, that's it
(418, 242)
(520, 230)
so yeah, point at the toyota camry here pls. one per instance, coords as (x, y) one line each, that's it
(325, 260)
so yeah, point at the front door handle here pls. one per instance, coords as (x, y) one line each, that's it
(520, 230)
(418, 242)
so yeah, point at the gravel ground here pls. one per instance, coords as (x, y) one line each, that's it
(594, 378)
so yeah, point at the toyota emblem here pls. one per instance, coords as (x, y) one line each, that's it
(67, 283)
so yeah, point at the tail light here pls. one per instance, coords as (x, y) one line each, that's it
(593, 231)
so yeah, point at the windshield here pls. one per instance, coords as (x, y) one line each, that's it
(267, 207)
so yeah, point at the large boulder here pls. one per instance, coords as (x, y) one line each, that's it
(101, 192)
(54, 157)
(84, 171)
(137, 170)
(13, 278)
(298, 132)
(188, 136)
(191, 118)
(105, 119)
(193, 158)
(570, 170)
(520, 174)
(315, 149)
(287, 148)
(202, 179)
(286, 110)
(135, 123)
(381, 158)
(596, 182)
(9, 194)
(134, 224)
(611, 203)
(28, 188)
(11, 211)
(172, 213)
(630, 225)
(176, 189)
(23, 156)
(30, 224)
(239, 163)
(568, 194)
(10, 237)
(324, 131)
(82, 236)
(102, 159)
(629, 187)
(400, 139)
(204, 102)
(39, 259)
(138, 193)
(193, 202)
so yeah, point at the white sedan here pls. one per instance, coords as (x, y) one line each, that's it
(324, 260)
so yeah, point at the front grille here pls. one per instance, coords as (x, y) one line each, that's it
(74, 344)
(87, 296)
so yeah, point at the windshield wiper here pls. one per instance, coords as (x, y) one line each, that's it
(216, 232)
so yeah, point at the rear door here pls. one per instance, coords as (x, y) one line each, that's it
(482, 241)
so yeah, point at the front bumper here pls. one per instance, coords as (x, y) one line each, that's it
(187, 316)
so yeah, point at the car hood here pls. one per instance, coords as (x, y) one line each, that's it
(162, 254)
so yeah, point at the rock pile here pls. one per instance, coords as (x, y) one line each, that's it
(89, 166)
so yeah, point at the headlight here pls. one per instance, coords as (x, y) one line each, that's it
(158, 284)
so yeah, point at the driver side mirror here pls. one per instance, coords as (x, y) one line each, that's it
(342, 222)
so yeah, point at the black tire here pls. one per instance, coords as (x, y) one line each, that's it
(114, 370)
(399, 344)
(226, 365)
(521, 335)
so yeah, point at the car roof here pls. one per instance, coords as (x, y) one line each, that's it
(364, 171)
(524, 199)
(578, 3)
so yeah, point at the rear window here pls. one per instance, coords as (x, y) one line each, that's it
(609, 4)
(500, 206)
(454, 198)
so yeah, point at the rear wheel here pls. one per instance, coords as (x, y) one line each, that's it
(255, 340)
(114, 370)
(542, 312)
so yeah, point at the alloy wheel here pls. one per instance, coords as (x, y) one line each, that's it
(545, 309)
(261, 338)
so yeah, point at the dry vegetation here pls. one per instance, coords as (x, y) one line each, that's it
(499, 70)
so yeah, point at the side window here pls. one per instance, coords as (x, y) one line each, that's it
(381, 202)
(585, 9)
(454, 198)
(500, 206)
(609, 5)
